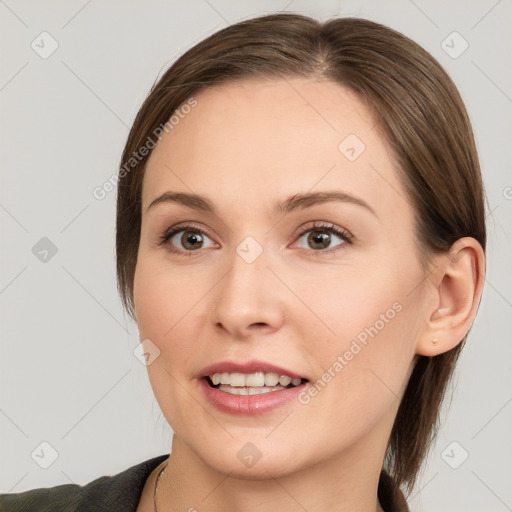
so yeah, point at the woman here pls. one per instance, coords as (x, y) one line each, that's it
(301, 241)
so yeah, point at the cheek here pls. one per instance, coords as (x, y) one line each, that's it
(164, 301)
(362, 371)
(372, 321)
(162, 294)
(164, 305)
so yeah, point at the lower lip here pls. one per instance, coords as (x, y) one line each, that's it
(249, 405)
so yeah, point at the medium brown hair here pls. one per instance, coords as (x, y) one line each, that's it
(419, 111)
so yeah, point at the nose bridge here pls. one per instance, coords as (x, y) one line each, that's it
(246, 295)
(248, 277)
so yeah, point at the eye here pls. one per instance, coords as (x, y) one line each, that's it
(192, 238)
(320, 236)
(189, 236)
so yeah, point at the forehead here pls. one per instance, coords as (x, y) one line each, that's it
(258, 139)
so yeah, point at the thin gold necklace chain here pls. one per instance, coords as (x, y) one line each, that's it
(161, 472)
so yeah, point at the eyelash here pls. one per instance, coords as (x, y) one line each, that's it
(344, 234)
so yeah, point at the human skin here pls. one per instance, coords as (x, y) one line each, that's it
(245, 146)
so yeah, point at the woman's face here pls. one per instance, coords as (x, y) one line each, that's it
(268, 282)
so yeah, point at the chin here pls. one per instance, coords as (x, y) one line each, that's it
(265, 469)
(247, 457)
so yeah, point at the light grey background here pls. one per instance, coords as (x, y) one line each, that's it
(68, 375)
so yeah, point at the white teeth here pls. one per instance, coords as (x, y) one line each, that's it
(248, 390)
(258, 391)
(271, 379)
(284, 380)
(253, 380)
(236, 379)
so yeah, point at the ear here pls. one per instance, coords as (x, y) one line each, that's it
(458, 281)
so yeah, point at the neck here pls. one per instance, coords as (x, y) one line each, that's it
(345, 483)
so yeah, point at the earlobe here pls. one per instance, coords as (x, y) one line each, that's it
(435, 344)
(458, 284)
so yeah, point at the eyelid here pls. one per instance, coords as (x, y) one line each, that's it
(328, 226)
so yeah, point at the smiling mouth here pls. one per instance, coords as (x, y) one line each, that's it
(252, 383)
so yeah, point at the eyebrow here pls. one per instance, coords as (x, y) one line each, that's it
(298, 201)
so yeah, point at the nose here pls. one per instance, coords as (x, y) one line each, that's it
(249, 299)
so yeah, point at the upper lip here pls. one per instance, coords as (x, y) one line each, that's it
(247, 367)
